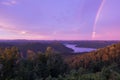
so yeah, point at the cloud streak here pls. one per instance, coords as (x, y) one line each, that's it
(22, 33)
(9, 2)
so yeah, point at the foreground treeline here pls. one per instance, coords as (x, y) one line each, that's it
(102, 64)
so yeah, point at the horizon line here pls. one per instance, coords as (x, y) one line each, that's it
(59, 40)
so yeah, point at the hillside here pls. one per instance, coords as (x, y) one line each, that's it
(35, 46)
(102, 64)
(109, 54)
(96, 44)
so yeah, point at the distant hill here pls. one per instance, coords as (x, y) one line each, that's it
(23, 46)
(96, 44)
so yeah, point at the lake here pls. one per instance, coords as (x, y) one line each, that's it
(79, 49)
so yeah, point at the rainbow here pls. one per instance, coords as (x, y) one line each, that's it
(96, 19)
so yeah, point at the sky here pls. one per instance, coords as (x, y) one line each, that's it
(60, 19)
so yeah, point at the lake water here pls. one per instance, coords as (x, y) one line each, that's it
(79, 49)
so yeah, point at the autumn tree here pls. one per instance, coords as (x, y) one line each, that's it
(8, 60)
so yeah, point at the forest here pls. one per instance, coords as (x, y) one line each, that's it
(102, 64)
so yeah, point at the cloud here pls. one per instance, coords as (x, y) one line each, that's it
(9, 28)
(24, 34)
(6, 28)
(9, 2)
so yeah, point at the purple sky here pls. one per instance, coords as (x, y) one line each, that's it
(59, 19)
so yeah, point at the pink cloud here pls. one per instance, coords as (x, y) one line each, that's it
(16, 33)
(9, 2)
(108, 34)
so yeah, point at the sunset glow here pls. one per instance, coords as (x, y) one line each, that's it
(60, 20)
